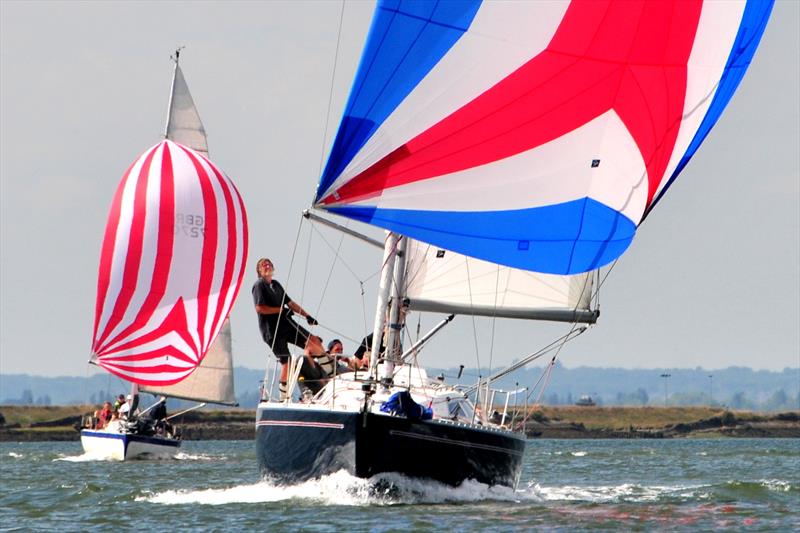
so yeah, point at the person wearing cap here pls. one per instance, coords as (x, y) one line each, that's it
(125, 408)
(274, 309)
(118, 403)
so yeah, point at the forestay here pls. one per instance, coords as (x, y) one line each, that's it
(171, 264)
(536, 135)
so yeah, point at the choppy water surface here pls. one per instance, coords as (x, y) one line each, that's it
(567, 485)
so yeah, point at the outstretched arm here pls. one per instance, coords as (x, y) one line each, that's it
(294, 306)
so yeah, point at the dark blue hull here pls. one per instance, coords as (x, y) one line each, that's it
(295, 444)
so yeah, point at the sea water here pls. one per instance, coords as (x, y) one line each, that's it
(566, 485)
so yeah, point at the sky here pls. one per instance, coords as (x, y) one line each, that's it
(710, 281)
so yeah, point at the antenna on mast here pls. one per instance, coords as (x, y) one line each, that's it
(177, 55)
(174, 58)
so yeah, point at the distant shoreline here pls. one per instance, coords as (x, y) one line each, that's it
(60, 423)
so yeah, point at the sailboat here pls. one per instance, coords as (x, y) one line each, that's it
(510, 150)
(171, 265)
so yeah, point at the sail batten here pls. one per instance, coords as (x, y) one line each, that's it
(536, 135)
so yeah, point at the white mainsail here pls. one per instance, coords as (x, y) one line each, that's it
(183, 121)
(444, 281)
(212, 381)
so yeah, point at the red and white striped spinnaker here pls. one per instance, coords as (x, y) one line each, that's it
(171, 265)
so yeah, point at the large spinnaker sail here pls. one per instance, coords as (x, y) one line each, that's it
(171, 264)
(446, 282)
(535, 135)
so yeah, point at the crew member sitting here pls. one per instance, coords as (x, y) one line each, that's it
(342, 364)
(104, 415)
(313, 377)
(125, 408)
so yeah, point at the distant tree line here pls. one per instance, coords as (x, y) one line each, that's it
(734, 387)
(778, 401)
(27, 399)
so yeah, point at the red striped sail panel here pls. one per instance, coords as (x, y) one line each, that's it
(171, 265)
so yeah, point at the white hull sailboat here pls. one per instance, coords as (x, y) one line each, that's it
(510, 150)
(118, 443)
(171, 265)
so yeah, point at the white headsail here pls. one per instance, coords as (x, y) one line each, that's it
(212, 381)
(447, 282)
(183, 121)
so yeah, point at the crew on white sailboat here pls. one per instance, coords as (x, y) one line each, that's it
(104, 415)
(125, 408)
(274, 308)
(118, 403)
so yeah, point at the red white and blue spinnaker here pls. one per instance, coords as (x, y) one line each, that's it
(536, 135)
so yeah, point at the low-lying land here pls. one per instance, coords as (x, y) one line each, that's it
(658, 422)
(40, 423)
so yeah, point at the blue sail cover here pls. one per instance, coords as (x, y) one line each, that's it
(536, 135)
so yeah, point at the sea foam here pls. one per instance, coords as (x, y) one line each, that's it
(342, 488)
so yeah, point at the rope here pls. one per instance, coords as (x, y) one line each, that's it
(338, 256)
(306, 267)
(494, 319)
(601, 282)
(547, 372)
(474, 334)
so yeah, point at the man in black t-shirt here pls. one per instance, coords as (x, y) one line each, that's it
(274, 308)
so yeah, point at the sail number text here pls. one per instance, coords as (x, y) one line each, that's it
(189, 225)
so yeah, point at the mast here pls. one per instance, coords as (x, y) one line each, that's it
(387, 269)
(393, 339)
(176, 59)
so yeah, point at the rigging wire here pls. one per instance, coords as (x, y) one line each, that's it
(568, 337)
(601, 282)
(330, 97)
(474, 336)
(337, 254)
(494, 318)
(306, 267)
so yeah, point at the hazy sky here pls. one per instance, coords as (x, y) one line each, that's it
(711, 279)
